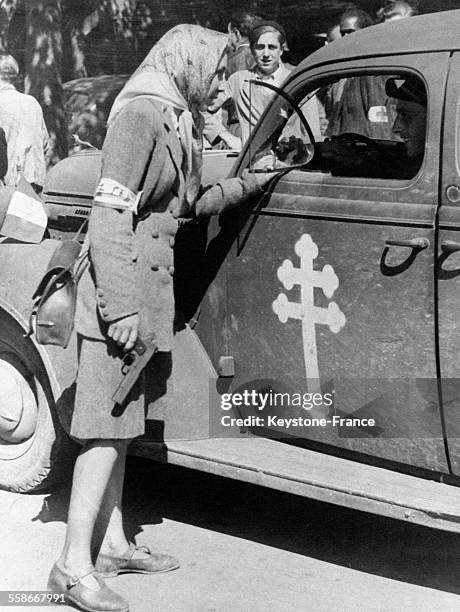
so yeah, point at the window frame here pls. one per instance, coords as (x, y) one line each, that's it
(422, 188)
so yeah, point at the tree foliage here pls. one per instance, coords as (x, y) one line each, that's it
(59, 40)
(7, 8)
(43, 61)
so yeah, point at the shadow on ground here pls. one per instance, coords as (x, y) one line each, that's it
(364, 542)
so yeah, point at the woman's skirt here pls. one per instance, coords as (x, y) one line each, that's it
(95, 415)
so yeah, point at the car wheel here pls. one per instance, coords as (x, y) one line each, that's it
(35, 452)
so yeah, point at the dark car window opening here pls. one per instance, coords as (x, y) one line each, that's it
(368, 125)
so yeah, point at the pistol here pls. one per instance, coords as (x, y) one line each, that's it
(133, 364)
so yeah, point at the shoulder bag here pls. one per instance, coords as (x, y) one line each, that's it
(53, 311)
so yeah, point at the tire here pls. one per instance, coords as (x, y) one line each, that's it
(37, 453)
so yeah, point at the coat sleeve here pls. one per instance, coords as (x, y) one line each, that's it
(228, 194)
(125, 154)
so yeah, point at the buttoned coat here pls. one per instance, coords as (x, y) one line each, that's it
(131, 257)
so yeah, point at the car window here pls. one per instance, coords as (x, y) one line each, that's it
(369, 125)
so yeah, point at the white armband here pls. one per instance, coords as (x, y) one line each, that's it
(112, 194)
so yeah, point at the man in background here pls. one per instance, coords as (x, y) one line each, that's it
(22, 120)
(332, 97)
(222, 129)
(267, 43)
(353, 20)
(359, 104)
(239, 28)
(394, 10)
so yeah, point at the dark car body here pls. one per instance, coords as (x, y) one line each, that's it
(342, 281)
(395, 356)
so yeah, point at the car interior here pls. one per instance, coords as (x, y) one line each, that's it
(349, 126)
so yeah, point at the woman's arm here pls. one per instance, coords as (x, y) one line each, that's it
(125, 155)
(229, 193)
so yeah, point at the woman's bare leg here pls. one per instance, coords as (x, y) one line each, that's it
(109, 536)
(92, 474)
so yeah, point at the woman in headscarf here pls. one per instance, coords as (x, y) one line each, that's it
(151, 170)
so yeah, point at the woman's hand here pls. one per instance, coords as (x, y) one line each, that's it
(124, 331)
(264, 178)
(261, 178)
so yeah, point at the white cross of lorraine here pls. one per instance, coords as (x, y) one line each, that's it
(305, 310)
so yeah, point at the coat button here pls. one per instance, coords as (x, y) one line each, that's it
(155, 233)
(102, 304)
(155, 267)
(175, 214)
(171, 242)
(100, 293)
(171, 270)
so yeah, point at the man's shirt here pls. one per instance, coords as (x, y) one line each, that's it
(26, 135)
(251, 100)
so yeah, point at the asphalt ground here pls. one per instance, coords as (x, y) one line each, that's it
(243, 548)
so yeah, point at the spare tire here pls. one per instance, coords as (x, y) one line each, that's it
(35, 451)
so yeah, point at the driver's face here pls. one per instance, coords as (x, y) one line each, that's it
(410, 126)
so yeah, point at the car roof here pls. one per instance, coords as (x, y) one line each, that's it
(424, 33)
(96, 85)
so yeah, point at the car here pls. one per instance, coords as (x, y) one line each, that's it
(317, 342)
(87, 104)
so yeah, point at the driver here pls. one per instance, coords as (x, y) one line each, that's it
(410, 122)
(355, 155)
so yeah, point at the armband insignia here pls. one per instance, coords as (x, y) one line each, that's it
(112, 194)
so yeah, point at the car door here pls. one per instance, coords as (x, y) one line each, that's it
(448, 272)
(330, 282)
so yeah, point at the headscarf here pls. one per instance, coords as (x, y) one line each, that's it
(178, 71)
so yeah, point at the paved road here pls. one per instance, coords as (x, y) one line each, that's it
(244, 548)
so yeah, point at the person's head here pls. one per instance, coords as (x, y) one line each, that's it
(240, 26)
(267, 42)
(353, 20)
(394, 9)
(411, 114)
(191, 57)
(9, 68)
(333, 34)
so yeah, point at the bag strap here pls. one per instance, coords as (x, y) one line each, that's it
(81, 263)
(52, 277)
(80, 229)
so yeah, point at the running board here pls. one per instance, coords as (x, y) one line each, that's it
(322, 477)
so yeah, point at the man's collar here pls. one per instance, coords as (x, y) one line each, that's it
(6, 85)
(271, 77)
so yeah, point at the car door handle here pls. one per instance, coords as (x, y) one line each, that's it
(450, 246)
(412, 243)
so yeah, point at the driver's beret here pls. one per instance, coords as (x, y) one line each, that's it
(410, 89)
